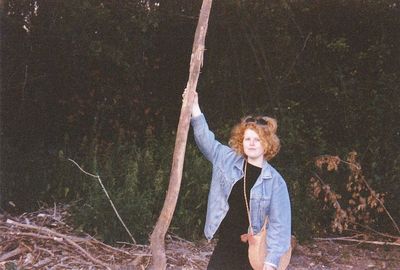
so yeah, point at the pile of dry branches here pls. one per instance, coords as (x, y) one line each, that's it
(43, 240)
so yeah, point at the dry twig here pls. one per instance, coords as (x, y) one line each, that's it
(108, 196)
(358, 241)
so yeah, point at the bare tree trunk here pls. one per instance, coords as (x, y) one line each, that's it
(157, 244)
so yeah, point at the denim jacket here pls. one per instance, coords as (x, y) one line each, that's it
(268, 197)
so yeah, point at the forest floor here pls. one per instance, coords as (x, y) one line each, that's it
(43, 240)
(329, 255)
(333, 255)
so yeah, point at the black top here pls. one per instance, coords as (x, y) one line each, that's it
(236, 221)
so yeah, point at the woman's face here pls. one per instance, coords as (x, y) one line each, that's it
(252, 145)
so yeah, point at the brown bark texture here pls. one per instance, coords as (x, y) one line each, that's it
(157, 244)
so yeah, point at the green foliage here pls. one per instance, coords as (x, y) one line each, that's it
(101, 83)
(136, 179)
(133, 178)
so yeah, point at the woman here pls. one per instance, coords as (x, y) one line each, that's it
(253, 141)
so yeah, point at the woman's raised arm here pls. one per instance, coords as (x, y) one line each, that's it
(205, 139)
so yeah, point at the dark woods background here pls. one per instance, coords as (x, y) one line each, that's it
(101, 82)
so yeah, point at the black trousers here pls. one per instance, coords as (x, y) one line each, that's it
(230, 254)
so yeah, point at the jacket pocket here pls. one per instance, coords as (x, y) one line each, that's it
(259, 210)
(254, 210)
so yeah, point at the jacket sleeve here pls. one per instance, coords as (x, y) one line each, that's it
(205, 140)
(279, 229)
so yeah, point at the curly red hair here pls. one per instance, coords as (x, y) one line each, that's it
(266, 132)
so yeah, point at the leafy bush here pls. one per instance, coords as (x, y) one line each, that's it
(137, 179)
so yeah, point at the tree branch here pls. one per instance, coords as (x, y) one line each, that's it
(157, 238)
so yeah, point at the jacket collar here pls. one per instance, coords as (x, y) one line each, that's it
(266, 168)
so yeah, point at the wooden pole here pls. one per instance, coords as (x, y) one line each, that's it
(157, 244)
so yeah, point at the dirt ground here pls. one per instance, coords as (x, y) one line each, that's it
(333, 255)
